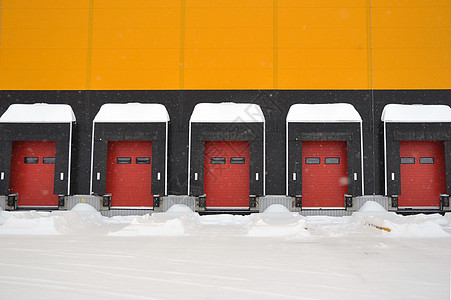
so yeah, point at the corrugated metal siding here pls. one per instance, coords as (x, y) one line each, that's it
(359, 201)
(172, 200)
(88, 199)
(269, 200)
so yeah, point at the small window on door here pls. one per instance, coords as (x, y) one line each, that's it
(31, 160)
(48, 160)
(218, 160)
(124, 160)
(407, 160)
(332, 160)
(237, 160)
(143, 160)
(312, 160)
(427, 160)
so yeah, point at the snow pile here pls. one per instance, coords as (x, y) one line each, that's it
(132, 113)
(227, 112)
(174, 222)
(81, 219)
(278, 221)
(416, 113)
(38, 113)
(392, 225)
(29, 222)
(372, 206)
(333, 112)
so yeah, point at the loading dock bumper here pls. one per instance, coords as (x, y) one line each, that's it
(105, 202)
(11, 201)
(444, 202)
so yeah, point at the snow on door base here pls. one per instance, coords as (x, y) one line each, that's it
(324, 174)
(32, 173)
(226, 179)
(129, 174)
(423, 174)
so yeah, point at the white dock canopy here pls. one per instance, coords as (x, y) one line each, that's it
(417, 113)
(132, 113)
(38, 113)
(323, 113)
(227, 112)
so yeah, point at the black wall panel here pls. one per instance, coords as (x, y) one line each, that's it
(275, 105)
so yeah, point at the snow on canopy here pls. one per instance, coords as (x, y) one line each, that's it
(132, 112)
(329, 113)
(400, 113)
(38, 113)
(227, 112)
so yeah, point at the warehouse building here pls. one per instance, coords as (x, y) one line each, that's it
(270, 53)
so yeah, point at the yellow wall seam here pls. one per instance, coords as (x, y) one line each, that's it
(369, 37)
(89, 48)
(182, 45)
(276, 44)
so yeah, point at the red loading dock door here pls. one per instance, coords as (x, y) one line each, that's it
(226, 169)
(324, 173)
(129, 173)
(32, 173)
(423, 174)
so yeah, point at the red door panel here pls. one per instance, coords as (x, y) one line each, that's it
(129, 173)
(324, 173)
(423, 174)
(226, 174)
(32, 173)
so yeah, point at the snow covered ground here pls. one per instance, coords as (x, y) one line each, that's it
(79, 254)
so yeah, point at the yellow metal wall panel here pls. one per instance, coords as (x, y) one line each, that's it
(322, 78)
(310, 59)
(134, 79)
(130, 4)
(43, 79)
(136, 38)
(411, 37)
(225, 44)
(228, 45)
(413, 58)
(228, 78)
(13, 38)
(43, 44)
(50, 59)
(39, 4)
(217, 38)
(411, 44)
(235, 18)
(123, 18)
(130, 59)
(135, 45)
(412, 78)
(410, 3)
(322, 37)
(322, 44)
(321, 3)
(45, 18)
(229, 3)
(411, 16)
(328, 17)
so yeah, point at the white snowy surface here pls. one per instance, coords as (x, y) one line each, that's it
(416, 113)
(132, 112)
(38, 113)
(328, 113)
(227, 112)
(277, 254)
